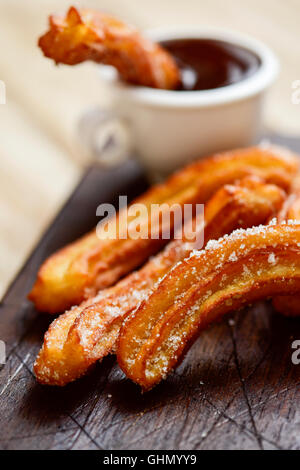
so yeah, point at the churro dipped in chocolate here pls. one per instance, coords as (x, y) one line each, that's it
(236, 270)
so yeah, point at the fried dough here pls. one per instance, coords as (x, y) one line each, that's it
(290, 305)
(80, 337)
(85, 34)
(96, 261)
(243, 267)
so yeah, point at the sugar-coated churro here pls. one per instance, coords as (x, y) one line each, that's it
(243, 267)
(290, 305)
(87, 333)
(96, 261)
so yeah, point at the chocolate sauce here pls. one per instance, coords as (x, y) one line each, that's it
(207, 63)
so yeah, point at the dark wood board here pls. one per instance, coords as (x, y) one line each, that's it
(236, 389)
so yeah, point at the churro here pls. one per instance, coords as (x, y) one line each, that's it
(290, 305)
(87, 333)
(234, 271)
(85, 34)
(96, 261)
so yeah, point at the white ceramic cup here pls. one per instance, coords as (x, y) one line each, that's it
(169, 129)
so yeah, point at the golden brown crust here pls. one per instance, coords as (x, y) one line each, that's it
(238, 269)
(291, 207)
(82, 268)
(86, 334)
(289, 306)
(85, 34)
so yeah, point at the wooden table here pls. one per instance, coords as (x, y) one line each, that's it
(236, 389)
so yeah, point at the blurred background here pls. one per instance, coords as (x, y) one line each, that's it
(40, 161)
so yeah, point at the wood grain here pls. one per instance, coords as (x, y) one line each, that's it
(236, 389)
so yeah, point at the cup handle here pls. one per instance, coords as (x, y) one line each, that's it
(104, 137)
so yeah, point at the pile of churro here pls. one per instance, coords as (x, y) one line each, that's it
(147, 299)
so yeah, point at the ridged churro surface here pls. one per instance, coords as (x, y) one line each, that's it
(85, 34)
(290, 305)
(243, 267)
(87, 333)
(96, 261)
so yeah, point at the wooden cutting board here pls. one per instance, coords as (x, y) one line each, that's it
(236, 389)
